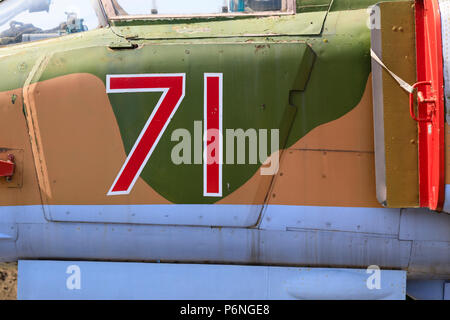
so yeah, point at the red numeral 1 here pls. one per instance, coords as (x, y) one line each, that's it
(173, 88)
(212, 140)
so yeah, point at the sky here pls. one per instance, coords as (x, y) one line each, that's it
(56, 15)
(48, 20)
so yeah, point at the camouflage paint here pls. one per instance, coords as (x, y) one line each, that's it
(308, 69)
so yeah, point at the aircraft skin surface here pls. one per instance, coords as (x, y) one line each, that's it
(307, 75)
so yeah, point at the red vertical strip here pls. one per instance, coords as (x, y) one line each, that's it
(213, 143)
(431, 131)
(422, 126)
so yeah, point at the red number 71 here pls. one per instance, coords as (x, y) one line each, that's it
(172, 86)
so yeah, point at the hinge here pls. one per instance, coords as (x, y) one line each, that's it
(122, 44)
(430, 103)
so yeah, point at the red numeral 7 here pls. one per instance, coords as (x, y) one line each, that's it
(173, 88)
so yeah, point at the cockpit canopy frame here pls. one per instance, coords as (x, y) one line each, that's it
(288, 7)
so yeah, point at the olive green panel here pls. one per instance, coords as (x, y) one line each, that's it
(341, 5)
(312, 6)
(336, 5)
(257, 80)
(400, 130)
(309, 23)
(339, 77)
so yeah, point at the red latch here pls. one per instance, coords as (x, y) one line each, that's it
(429, 103)
(430, 106)
(7, 167)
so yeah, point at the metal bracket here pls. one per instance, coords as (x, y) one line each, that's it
(430, 102)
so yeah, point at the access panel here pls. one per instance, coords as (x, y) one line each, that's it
(408, 104)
